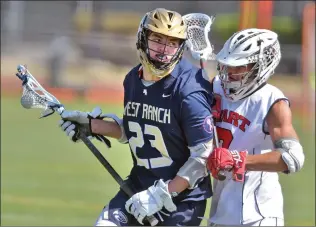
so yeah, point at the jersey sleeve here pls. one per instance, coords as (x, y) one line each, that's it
(196, 118)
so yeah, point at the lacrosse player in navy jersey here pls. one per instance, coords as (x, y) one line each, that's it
(167, 123)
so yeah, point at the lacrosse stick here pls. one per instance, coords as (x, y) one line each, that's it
(35, 96)
(199, 25)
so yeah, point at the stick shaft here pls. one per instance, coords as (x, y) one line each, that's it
(105, 163)
(202, 64)
(151, 219)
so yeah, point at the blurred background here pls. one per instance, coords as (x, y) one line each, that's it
(81, 51)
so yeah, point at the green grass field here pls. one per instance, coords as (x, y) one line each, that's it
(47, 180)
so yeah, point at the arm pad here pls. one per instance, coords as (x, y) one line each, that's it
(292, 153)
(194, 169)
(119, 121)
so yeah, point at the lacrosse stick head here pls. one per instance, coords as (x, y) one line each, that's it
(34, 96)
(199, 25)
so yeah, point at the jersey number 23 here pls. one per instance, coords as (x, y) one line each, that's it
(158, 143)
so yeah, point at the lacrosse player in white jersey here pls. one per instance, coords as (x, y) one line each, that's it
(255, 132)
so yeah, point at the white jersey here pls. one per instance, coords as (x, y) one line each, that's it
(243, 127)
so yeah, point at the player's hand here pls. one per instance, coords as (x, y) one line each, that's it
(150, 201)
(223, 159)
(73, 121)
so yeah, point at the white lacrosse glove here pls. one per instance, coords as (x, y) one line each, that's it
(150, 201)
(73, 121)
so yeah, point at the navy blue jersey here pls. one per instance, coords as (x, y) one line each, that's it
(163, 120)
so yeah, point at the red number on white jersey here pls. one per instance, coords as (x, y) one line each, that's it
(225, 137)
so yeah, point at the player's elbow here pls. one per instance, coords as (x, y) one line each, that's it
(194, 169)
(298, 158)
(293, 155)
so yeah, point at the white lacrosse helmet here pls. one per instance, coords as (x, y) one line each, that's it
(250, 46)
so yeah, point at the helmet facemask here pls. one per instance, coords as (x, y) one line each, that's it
(245, 77)
(164, 64)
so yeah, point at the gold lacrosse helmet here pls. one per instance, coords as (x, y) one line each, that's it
(165, 22)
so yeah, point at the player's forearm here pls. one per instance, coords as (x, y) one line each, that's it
(269, 162)
(178, 184)
(106, 128)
